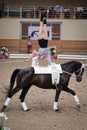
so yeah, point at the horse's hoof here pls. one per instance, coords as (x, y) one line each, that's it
(27, 109)
(2, 109)
(57, 110)
(78, 106)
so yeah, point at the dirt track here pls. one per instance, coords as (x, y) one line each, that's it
(41, 115)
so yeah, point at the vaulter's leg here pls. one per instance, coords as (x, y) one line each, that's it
(45, 25)
(41, 27)
(76, 99)
(46, 36)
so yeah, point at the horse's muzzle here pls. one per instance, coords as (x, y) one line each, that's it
(78, 79)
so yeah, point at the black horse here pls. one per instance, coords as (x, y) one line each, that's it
(25, 78)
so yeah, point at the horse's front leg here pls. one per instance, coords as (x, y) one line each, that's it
(55, 105)
(76, 99)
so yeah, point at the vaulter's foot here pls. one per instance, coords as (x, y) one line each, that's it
(45, 14)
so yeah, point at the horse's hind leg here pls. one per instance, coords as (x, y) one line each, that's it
(10, 94)
(22, 97)
(76, 99)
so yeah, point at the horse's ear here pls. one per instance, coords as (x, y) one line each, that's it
(83, 65)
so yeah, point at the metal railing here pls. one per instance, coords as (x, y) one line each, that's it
(52, 12)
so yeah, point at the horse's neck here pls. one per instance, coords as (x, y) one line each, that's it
(71, 67)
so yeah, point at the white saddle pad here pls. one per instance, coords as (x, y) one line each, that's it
(54, 70)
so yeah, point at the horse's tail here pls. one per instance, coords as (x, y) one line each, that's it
(12, 80)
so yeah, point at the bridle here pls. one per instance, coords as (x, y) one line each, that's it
(80, 71)
(78, 76)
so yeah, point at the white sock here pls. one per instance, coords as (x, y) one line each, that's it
(7, 101)
(76, 99)
(24, 106)
(55, 105)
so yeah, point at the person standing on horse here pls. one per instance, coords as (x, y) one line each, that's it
(43, 39)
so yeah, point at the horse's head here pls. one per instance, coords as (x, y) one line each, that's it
(79, 73)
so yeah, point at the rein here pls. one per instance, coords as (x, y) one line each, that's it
(67, 72)
(76, 71)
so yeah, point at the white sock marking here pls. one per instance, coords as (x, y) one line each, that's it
(76, 99)
(7, 101)
(55, 106)
(24, 106)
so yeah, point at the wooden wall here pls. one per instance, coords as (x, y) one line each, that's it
(11, 44)
(62, 46)
(74, 46)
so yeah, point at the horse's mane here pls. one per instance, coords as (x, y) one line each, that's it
(71, 64)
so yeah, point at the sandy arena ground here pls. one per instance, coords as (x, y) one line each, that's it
(41, 115)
